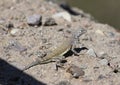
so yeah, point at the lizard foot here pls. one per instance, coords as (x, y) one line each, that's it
(59, 62)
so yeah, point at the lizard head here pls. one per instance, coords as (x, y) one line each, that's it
(79, 32)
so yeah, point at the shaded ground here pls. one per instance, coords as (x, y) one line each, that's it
(19, 48)
(10, 75)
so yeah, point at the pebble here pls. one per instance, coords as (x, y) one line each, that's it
(103, 55)
(91, 52)
(64, 83)
(100, 32)
(34, 19)
(103, 62)
(50, 22)
(111, 34)
(9, 25)
(101, 76)
(64, 15)
(14, 31)
(2, 21)
(16, 46)
(75, 71)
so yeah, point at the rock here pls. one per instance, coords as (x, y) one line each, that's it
(64, 83)
(61, 29)
(101, 76)
(116, 69)
(75, 71)
(91, 52)
(110, 34)
(15, 45)
(14, 31)
(50, 22)
(2, 21)
(100, 32)
(34, 19)
(21, 25)
(9, 25)
(103, 55)
(103, 62)
(64, 15)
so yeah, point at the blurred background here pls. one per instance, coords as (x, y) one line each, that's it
(105, 11)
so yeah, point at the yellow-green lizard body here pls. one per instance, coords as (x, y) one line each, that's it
(59, 51)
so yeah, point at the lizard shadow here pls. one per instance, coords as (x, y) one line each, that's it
(77, 50)
(80, 49)
(10, 75)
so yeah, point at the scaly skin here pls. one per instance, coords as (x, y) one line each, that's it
(67, 45)
(59, 51)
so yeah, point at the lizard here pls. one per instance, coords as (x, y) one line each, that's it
(68, 44)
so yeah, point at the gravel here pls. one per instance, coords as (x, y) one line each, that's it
(34, 19)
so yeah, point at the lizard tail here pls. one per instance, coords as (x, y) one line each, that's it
(37, 62)
(31, 65)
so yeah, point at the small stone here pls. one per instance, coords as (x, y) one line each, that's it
(50, 22)
(103, 62)
(100, 32)
(61, 29)
(21, 25)
(63, 83)
(2, 21)
(91, 52)
(34, 19)
(16, 46)
(75, 71)
(14, 31)
(9, 25)
(103, 55)
(111, 34)
(101, 76)
(87, 79)
(64, 15)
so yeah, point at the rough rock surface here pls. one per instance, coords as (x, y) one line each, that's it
(31, 41)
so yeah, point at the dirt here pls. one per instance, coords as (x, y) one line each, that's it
(29, 42)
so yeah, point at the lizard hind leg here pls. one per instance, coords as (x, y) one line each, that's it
(59, 62)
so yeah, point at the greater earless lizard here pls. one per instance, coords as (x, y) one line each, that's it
(68, 44)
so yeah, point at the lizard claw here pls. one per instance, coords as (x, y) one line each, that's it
(60, 64)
